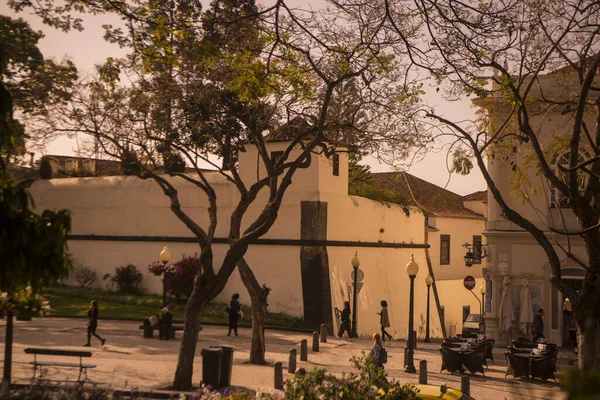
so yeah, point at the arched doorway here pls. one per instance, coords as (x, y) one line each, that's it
(572, 275)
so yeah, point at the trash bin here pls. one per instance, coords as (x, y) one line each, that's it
(211, 367)
(226, 365)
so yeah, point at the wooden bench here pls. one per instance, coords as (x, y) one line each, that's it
(62, 353)
(149, 330)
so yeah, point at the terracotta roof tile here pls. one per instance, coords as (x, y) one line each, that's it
(431, 198)
(477, 196)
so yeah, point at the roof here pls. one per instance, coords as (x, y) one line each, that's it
(290, 130)
(430, 198)
(477, 196)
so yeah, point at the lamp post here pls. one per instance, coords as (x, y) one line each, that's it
(482, 291)
(355, 264)
(412, 269)
(165, 257)
(428, 282)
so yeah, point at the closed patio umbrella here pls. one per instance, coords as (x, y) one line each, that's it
(506, 312)
(526, 314)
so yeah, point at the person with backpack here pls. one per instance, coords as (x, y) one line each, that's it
(378, 354)
(233, 309)
(345, 317)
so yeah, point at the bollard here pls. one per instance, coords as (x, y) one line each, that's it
(315, 341)
(278, 375)
(292, 361)
(323, 333)
(414, 339)
(465, 385)
(423, 372)
(304, 350)
(300, 372)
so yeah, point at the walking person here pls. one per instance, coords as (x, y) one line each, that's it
(345, 317)
(233, 309)
(93, 323)
(538, 326)
(164, 325)
(377, 355)
(384, 320)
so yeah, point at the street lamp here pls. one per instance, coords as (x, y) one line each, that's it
(412, 269)
(428, 282)
(165, 257)
(355, 264)
(470, 255)
(482, 291)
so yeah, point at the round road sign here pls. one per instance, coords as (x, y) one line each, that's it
(360, 275)
(469, 282)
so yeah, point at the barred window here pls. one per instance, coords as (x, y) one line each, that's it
(444, 249)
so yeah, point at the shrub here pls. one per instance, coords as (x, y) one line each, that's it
(84, 275)
(181, 283)
(127, 278)
(366, 384)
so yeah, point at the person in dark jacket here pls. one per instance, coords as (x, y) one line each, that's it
(233, 309)
(164, 324)
(384, 320)
(345, 317)
(93, 323)
(538, 326)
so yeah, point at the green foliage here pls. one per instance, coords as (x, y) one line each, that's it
(180, 285)
(581, 385)
(132, 306)
(127, 278)
(461, 162)
(366, 383)
(84, 275)
(371, 192)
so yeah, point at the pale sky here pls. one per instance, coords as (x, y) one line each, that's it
(88, 48)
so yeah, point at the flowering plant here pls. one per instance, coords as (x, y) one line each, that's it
(26, 303)
(4, 304)
(158, 267)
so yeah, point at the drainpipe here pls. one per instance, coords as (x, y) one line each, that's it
(430, 268)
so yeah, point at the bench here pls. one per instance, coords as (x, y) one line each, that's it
(62, 353)
(149, 330)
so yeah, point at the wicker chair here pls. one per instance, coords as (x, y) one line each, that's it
(451, 360)
(524, 344)
(518, 367)
(544, 368)
(453, 345)
(489, 349)
(516, 350)
(481, 348)
(474, 361)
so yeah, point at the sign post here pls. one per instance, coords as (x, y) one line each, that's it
(469, 282)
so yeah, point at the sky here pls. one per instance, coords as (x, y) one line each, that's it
(88, 48)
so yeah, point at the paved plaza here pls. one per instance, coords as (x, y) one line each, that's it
(127, 360)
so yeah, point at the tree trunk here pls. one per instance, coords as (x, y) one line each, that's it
(588, 340)
(258, 298)
(193, 315)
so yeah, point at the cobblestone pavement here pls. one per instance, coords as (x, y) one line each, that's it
(127, 360)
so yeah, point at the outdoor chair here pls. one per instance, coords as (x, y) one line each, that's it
(544, 368)
(474, 361)
(489, 347)
(454, 345)
(481, 348)
(524, 345)
(451, 360)
(518, 367)
(516, 350)
(551, 347)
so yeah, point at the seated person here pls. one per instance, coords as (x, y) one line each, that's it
(164, 324)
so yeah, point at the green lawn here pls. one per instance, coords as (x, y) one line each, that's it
(70, 301)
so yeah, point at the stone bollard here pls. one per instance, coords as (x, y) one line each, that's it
(304, 350)
(414, 339)
(315, 346)
(423, 372)
(278, 375)
(300, 372)
(465, 385)
(323, 333)
(292, 361)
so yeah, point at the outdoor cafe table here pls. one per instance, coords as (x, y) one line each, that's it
(530, 357)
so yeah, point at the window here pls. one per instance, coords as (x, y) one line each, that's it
(557, 199)
(276, 155)
(476, 249)
(466, 312)
(444, 249)
(336, 165)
